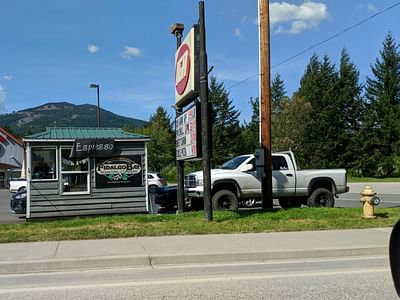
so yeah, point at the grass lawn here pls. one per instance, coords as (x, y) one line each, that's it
(244, 221)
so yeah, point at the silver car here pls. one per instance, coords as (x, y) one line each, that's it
(156, 180)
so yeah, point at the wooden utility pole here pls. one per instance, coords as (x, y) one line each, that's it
(265, 105)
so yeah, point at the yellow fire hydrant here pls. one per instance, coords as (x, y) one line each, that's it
(369, 200)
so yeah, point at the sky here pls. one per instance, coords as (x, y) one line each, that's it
(52, 50)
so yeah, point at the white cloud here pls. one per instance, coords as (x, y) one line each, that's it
(297, 18)
(93, 48)
(368, 6)
(238, 33)
(130, 52)
(6, 77)
(371, 7)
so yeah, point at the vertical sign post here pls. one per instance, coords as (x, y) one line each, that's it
(177, 30)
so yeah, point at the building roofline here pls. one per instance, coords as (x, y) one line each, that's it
(73, 140)
(15, 139)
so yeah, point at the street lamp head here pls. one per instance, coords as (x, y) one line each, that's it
(177, 29)
(94, 86)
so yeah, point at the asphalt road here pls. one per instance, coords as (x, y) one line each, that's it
(6, 216)
(340, 278)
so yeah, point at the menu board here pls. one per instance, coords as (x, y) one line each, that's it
(188, 131)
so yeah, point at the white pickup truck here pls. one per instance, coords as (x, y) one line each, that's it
(17, 184)
(236, 182)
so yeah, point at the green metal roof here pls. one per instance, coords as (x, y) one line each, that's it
(72, 133)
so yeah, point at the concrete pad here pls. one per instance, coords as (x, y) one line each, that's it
(96, 248)
(188, 244)
(28, 251)
(193, 249)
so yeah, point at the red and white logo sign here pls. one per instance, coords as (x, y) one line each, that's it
(182, 69)
(186, 77)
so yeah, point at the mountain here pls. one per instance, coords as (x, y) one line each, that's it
(63, 114)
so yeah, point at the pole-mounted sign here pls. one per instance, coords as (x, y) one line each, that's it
(188, 134)
(186, 70)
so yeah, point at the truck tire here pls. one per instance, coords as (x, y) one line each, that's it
(289, 202)
(225, 200)
(321, 197)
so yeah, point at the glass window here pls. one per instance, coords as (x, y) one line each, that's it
(234, 163)
(73, 183)
(43, 163)
(74, 173)
(253, 163)
(279, 163)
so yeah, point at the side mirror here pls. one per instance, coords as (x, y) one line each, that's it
(394, 255)
(248, 167)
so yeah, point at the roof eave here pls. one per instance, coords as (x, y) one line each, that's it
(73, 140)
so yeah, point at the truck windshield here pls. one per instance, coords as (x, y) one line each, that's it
(234, 163)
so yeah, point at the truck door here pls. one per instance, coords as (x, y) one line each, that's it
(251, 185)
(283, 177)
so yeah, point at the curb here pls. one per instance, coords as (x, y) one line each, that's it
(150, 261)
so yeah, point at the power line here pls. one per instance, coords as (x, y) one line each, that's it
(321, 42)
(336, 35)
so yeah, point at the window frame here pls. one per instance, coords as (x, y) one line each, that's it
(55, 163)
(88, 190)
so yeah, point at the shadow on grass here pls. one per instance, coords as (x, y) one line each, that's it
(382, 215)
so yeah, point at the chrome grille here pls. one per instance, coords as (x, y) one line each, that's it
(190, 181)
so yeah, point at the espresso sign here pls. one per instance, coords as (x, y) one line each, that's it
(118, 172)
(93, 147)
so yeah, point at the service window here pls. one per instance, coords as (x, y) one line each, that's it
(74, 173)
(43, 164)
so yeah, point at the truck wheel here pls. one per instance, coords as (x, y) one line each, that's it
(321, 198)
(289, 202)
(225, 200)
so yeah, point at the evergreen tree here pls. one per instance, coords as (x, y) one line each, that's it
(319, 87)
(279, 112)
(350, 110)
(250, 132)
(278, 93)
(225, 129)
(381, 130)
(161, 148)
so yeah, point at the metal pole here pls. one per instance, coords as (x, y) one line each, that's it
(98, 105)
(180, 173)
(265, 79)
(205, 122)
(177, 30)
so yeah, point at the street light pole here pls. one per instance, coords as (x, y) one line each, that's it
(97, 87)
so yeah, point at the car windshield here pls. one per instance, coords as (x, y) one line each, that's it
(234, 163)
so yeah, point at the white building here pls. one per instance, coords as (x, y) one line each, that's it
(11, 157)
